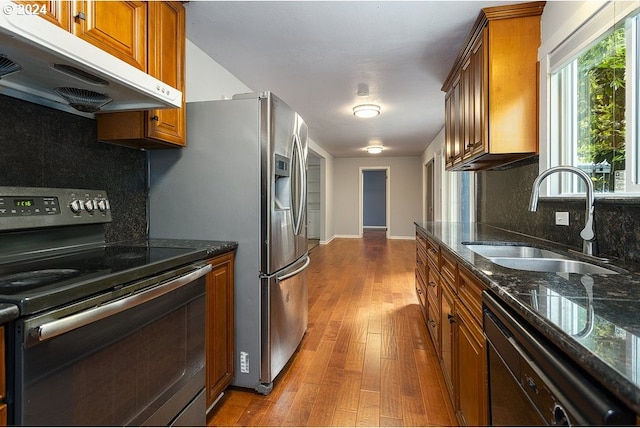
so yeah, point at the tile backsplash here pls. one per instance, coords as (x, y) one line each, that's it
(503, 201)
(43, 147)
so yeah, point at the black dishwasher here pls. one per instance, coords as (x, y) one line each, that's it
(532, 383)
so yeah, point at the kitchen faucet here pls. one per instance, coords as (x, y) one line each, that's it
(588, 234)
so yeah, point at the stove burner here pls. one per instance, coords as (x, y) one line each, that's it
(36, 278)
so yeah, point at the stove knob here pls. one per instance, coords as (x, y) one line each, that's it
(103, 205)
(90, 206)
(76, 206)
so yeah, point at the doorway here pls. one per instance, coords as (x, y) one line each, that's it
(374, 199)
(429, 190)
(313, 200)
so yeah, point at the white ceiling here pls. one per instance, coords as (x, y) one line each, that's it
(317, 56)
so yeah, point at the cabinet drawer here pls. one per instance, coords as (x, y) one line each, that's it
(421, 241)
(421, 261)
(433, 284)
(433, 323)
(421, 290)
(433, 252)
(470, 293)
(448, 268)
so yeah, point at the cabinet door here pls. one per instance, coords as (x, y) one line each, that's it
(219, 329)
(467, 106)
(421, 293)
(57, 12)
(166, 63)
(453, 125)
(433, 309)
(117, 27)
(478, 137)
(447, 339)
(471, 358)
(155, 128)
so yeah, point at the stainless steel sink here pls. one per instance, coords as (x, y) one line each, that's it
(524, 257)
(517, 251)
(551, 265)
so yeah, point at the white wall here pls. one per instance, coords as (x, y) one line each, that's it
(405, 175)
(206, 80)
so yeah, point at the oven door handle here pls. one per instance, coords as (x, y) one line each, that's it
(64, 325)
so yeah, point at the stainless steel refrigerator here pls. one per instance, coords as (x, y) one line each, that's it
(242, 177)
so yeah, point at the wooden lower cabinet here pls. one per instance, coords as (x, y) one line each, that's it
(454, 322)
(472, 387)
(447, 340)
(219, 330)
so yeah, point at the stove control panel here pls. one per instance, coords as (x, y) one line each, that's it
(36, 207)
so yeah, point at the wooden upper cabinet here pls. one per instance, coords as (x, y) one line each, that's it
(161, 128)
(166, 63)
(453, 125)
(117, 27)
(494, 84)
(57, 12)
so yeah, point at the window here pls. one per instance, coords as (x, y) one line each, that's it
(458, 194)
(594, 104)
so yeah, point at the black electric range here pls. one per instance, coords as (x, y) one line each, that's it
(107, 333)
(52, 249)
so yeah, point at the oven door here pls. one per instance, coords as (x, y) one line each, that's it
(134, 356)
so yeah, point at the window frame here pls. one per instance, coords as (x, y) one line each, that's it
(589, 23)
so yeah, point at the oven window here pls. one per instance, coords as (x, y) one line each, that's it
(117, 371)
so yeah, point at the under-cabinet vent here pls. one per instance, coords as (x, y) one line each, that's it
(8, 66)
(83, 99)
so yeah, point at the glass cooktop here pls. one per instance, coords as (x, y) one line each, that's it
(56, 279)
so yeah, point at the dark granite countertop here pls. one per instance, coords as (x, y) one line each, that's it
(557, 304)
(8, 312)
(212, 248)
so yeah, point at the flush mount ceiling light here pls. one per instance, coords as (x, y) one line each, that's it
(365, 111)
(374, 150)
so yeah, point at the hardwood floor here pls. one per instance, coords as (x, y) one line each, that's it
(366, 359)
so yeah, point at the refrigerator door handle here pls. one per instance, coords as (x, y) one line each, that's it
(295, 272)
(298, 184)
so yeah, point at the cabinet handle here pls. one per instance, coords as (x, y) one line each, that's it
(155, 118)
(451, 318)
(432, 284)
(432, 323)
(81, 16)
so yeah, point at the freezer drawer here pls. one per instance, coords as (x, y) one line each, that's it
(284, 318)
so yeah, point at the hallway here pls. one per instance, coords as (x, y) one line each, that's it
(366, 359)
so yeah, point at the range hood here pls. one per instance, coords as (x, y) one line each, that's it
(42, 63)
